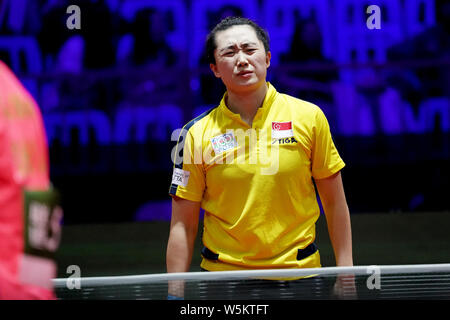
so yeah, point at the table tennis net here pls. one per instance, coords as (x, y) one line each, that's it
(430, 281)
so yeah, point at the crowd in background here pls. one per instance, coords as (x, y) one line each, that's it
(135, 72)
(147, 69)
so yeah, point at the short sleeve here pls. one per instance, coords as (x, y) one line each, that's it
(188, 177)
(325, 159)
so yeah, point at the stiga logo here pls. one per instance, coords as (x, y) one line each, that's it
(286, 141)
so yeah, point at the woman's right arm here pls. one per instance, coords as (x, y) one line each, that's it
(180, 246)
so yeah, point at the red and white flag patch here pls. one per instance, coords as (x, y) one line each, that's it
(282, 130)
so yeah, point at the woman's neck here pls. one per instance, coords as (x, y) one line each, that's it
(246, 104)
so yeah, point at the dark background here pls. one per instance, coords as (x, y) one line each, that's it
(113, 92)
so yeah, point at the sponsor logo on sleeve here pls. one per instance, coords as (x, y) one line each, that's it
(180, 177)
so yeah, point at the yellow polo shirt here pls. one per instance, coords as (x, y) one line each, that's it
(255, 183)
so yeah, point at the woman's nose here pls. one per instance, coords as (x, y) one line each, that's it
(241, 59)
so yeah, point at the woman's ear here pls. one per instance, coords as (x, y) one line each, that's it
(268, 56)
(214, 69)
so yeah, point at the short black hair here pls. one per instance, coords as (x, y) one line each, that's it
(227, 23)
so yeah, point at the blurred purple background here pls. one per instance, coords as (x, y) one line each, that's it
(113, 92)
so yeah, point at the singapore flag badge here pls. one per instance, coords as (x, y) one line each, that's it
(282, 130)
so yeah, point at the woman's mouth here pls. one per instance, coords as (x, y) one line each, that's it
(245, 74)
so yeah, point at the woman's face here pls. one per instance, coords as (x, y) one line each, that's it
(241, 59)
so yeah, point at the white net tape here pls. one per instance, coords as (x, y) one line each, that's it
(420, 281)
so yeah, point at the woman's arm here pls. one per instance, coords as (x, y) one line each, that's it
(332, 195)
(180, 246)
